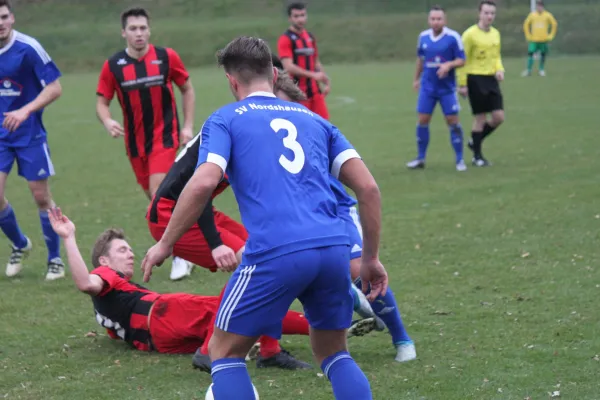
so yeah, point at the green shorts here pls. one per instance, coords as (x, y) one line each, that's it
(535, 47)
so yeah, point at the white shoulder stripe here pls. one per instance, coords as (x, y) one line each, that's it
(28, 40)
(457, 37)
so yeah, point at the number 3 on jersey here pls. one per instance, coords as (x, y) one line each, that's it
(293, 166)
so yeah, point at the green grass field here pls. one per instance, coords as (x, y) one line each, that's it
(495, 270)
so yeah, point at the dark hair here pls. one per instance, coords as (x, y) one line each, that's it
(438, 8)
(102, 245)
(6, 3)
(539, 2)
(247, 58)
(295, 6)
(134, 12)
(486, 3)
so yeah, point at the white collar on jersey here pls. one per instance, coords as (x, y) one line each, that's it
(438, 37)
(264, 94)
(10, 42)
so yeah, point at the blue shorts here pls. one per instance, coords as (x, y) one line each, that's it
(353, 230)
(257, 297)
(33, 161)
(427, 102)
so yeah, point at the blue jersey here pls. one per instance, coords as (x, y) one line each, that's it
(278, 157)
(341, 195)
(434, 51)
(25, 68)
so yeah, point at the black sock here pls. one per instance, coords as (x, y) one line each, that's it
(477, 138)
(487, 131)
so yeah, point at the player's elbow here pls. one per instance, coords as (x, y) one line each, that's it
(368, 192)
(55, 89)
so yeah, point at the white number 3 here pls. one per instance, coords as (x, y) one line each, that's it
(293, 166)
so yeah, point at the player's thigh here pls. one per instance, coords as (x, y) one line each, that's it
(532, 48)
(426, 103)
(544, 48)
(7, 159)
(328, 302)
(257, 297)
(227, 223)
(450, 104)
(179, 322)
(192, 246)
(34, 162)
(139, 165)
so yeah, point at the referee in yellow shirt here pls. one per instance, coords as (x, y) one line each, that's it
(480, 77)
(540, 29)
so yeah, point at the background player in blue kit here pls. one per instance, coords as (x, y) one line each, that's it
(28, 83)
(278, 157)
(439, 52)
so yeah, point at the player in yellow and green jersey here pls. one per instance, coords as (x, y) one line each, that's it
(540, 29)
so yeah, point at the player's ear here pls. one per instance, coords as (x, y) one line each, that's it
(103, 260)
(275, 75)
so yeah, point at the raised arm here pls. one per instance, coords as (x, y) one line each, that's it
(85, 282)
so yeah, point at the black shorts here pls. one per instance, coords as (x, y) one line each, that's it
(484, 94)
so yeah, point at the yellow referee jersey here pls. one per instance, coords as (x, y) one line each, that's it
(540, 27)
(482, 49)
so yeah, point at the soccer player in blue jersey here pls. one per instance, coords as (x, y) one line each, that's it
(28, 83)
(384, 307)
(278, 157)
(439, 52)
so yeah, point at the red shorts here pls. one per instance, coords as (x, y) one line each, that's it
(317, 105)
(192, 246)
(157, 162)
(179, 322)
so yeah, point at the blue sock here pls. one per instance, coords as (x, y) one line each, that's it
(10, 227)
(422, 140)
(385, 307)
(346, 377)
(51, 238)
(456, 138)
(231, 380)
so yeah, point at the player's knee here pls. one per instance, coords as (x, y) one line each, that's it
(452, 119)
(41, 194)
(497, 118)
(424, 119)
(355, 268)
(327, 343)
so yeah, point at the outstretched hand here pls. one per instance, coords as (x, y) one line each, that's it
(61, 224)
(155, 256)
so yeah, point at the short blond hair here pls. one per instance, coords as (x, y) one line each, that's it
(286, 84)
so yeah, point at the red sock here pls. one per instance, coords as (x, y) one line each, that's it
(211, 326)
(295, 323)
(269, 346)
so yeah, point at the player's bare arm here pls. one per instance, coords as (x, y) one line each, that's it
(86, 282)
(446, 67)
(191, 204)
(418, 72)
(113, 127)
(355, 174)
(189, 104)
(294, 70)
(49, 94)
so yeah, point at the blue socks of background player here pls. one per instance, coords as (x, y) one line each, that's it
(346, 377)
(231, 380)
(456, 139)
(51, 238)
(385, 307)
(422, 141)
(10, 227)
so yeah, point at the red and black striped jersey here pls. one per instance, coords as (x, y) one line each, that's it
(302, 49)
(171, 187)
(144, 88)
(122, 307)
